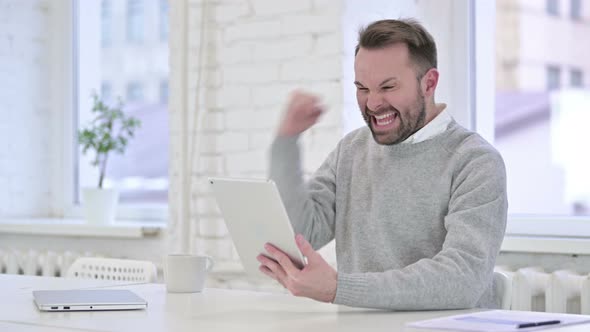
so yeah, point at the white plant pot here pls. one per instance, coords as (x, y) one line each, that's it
(100, 205)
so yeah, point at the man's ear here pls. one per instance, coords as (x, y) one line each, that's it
(429, 82)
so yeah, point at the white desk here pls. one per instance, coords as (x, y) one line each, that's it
(212, 310)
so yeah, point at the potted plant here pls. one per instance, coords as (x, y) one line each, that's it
(109, 131)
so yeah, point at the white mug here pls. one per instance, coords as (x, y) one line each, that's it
(186, 273)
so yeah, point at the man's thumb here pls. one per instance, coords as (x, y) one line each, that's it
(305, 247)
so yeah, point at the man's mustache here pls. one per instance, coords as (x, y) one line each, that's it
(384, 109)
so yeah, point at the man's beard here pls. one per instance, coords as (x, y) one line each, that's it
(409, 124)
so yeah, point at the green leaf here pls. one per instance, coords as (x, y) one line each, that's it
(109, 131)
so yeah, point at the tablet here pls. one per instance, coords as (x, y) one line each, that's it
(88, 300)
(255, 215)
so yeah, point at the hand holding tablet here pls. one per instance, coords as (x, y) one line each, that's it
(255, 215)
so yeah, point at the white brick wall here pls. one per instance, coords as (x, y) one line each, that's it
(24, 108)
(257, 52)
(272, 8)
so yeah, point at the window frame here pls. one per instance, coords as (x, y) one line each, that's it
(65, 68)
(474, 56)
(533, 233)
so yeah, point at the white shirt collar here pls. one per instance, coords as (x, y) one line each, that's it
(436, 126)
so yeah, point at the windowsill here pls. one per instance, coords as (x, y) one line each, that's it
(546, 244)
(547, 234)
(513, 241)
(79, 228)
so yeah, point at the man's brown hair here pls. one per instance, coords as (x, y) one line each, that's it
(384, 33)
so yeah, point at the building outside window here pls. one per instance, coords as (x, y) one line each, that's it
(133, 74)
(540, 123)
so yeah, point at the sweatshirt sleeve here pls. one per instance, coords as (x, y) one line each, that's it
(311, 205)
(462, 271)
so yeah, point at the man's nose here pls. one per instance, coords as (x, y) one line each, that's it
(374, 101)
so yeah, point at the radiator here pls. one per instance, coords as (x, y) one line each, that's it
(32, 262)
(561, 291)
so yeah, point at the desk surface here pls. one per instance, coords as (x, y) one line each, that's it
(212, 310)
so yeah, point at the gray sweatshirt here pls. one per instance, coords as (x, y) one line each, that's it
(417, 226)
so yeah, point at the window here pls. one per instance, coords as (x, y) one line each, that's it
(575, 10)
(576, 78)
(541, 125)
(105, 23)
(135, 21)
(164, 20)
(164, 92)
(552, 7)
(553, 77)
(106, 91)
(122, 71)
(134, 92)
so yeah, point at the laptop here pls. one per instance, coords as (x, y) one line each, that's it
(88, 300)
(254, 214)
